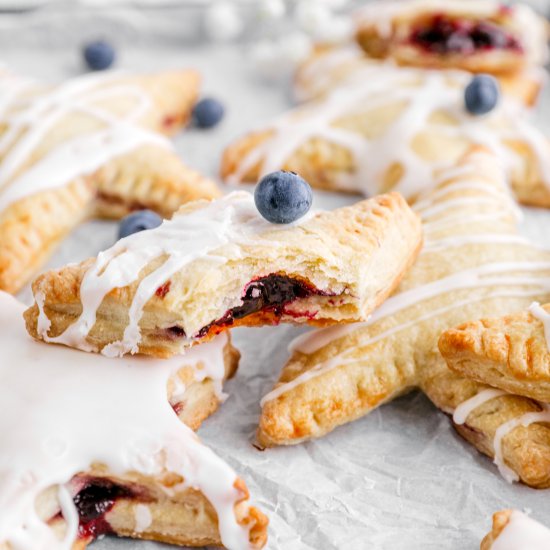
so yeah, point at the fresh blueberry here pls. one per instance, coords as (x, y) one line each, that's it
(138, 221)
(283, 197)
(482, 94)
(99, 55)
(208, 112)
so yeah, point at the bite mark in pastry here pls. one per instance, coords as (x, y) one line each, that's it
(473, 262)
(514, 530)
(393, 128)
(92, 146)
(474, 35)
(219, 265)
(97, 450)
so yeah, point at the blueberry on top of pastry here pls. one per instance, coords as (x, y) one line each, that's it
(220, 264)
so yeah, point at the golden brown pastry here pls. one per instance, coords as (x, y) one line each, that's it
(218, 265)
(473, 262)
(475, 35)
(510, 352)
(388, 128)
(330, 67)
(89, 147)
(514, 530)
(91, 446)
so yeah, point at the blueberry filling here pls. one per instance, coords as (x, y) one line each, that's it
(93, 501)
(443, 35)
(270, 294)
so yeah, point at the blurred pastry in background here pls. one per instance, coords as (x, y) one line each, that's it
(475, 35)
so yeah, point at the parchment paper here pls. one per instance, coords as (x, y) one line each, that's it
(399, 479)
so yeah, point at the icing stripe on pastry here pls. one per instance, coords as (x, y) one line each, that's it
(504, 429)
(74, 410)
(462, 412)
(33, 117)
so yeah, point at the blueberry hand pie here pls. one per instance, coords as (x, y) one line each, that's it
(218, 265)
(474, 35)
(392, 129)
(473, 263)
(92, 146)
(97, 450)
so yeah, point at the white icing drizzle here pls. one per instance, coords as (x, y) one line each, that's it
(527, 278)
(485, 275)
(131, 427)
(188, 236)
(544, 317)
(522, 533)
(422, 94)
(143, 516)
(504, 429)
(462, 412)
(30, 119)
(318, 339)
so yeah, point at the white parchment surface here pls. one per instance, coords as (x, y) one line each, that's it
(399, 479)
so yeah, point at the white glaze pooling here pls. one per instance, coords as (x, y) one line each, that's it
(422, 94)
(188, 236)
(522, 533)
(544, 317)
(62, 428)
(30, 113)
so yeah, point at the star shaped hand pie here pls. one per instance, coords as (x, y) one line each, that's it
(388, 127)
(473, 263)
(481, 36)
(97, 449)
(218, 265)
(89, 147)
(514, 530)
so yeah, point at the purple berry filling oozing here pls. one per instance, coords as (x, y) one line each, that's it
(443, 35)
(96, 498)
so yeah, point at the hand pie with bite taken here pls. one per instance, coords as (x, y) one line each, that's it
(90, 147)
(393, 129)
(105, 454)
(514, 530)
(218, 265)
(473, 263)
(474, 35)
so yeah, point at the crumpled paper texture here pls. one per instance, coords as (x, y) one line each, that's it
(398, 479)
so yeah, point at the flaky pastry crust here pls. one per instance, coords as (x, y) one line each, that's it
(510, 353)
